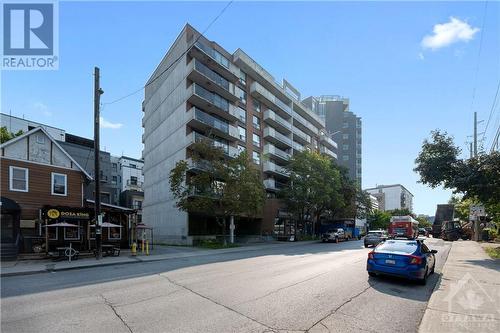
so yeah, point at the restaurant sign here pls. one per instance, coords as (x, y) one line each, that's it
(66, 213)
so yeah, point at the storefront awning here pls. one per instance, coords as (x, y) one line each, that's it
(112, 207)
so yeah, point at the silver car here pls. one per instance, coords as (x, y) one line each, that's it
(374, 237)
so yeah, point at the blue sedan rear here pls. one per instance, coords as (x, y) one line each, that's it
(411, 259)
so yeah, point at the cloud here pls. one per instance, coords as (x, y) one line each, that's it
(107, 124)
(449, 33)
(421, 56)
(39, 106)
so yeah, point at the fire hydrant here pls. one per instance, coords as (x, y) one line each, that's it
(134, 249)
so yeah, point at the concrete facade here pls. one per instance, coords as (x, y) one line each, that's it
(391, 197)
(345, 127)
(210, 91)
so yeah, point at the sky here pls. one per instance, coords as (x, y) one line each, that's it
(407, 67)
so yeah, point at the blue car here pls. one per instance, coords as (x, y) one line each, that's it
(410, 259)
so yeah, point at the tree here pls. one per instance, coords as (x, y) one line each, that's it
(313, 186)
(401, 212)
(5, 135)
(379, 220)
(477, 178)
(220, 187)
(423, 222)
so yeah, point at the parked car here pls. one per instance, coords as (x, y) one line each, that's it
(422, 232)
(411, 259)
(375, 237)
(334, 235)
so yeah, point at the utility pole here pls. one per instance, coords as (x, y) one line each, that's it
(97, 174)
(475, 134)
(471, 150)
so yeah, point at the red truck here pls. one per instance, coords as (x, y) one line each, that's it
(403, 226)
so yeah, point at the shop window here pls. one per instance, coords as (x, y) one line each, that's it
(114, 233)
(59, 184)
(18, 179)
(72, 233)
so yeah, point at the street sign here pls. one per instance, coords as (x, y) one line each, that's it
(476, 211)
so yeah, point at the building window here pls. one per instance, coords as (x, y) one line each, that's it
(137, 204)
(59, 184)
(256, 122)
(133, 180)
(114, 179)
(243, 77)
(256, 157)
(18, 179)
(114, 233)
(133, 166)
(345, 124)
(241, 149)
(243, 133)
(242, 114)
(241, 94)
(256, 105)
(72, 233)
(345, 136)
(345, 157)
(345, 147)
(40, 139)
(256, 139)
(115, 167)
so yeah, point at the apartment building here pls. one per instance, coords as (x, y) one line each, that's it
(391, 197)
(345, 127)
(200, 91)
(131, 180)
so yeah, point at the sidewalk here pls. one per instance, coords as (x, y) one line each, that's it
(25, 267)
(467, 297)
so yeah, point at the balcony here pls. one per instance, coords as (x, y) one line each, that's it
(271, 168)
(211, 80)
(327, 141)
(304, 124)
(276, 121)
(276, 153)
(199, 165)
(195, 137)
(278, 139)
(266, 97)
(326, 151)
(251, 67)
(298, 147)
(301, 137)
(308, 114)
(134, 185)
(215, 60)
(211, 102)
(202, 121)
(273, 185)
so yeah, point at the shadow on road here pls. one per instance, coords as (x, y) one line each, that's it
(29, 284)
(408, 289)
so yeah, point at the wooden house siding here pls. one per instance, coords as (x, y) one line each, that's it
(39, 187)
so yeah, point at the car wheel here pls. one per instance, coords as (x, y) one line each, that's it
(372, 274)
(423, 281)
(366, 245)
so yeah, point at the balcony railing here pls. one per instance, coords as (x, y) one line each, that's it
(270, 114)
(213, 76)
(302, 135)
(259, 89)
(211, 120)
(133, 183)
(272, 150)
(215, 99)
(271, 167)
(219, 58)
(301, 120)
(327, 151)
(273, 184)
(271, 132)
(226, 148)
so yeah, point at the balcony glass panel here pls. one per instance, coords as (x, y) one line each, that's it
(215, 99)
(214, 54)
(212, 121)
(219, 80)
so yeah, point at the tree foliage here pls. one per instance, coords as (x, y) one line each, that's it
(5, 135)
(478, 178)
(221, 187)
(379, 220)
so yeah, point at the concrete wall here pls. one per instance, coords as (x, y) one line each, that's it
(164, 145)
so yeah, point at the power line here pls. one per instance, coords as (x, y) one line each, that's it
(175, 61)
(478, 56)
(491, 111)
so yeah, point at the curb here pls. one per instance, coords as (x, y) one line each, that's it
(140, 260)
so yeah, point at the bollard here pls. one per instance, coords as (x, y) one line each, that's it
(147, 247)
(142, 246)
(134, 249)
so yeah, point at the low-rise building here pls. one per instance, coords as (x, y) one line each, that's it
(391, 197)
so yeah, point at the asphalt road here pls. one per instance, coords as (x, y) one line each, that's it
(311, 287)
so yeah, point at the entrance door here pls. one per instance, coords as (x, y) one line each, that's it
(7, 228)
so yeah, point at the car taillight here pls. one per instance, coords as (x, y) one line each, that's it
(370, 255)
(414, 260)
